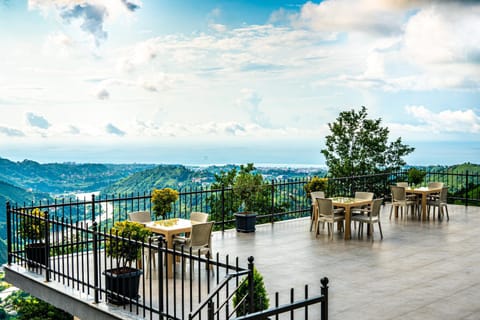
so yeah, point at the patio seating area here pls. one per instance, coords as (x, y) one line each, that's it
(420, 270)
(423, 268)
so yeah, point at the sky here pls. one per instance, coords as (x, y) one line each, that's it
(234, 81)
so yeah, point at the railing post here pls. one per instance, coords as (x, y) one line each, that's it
(9, 233)
(162, 247)
(466, 188)
(251, 286)
(324, 292)
(93, 208)
(47, 246)
(210, 310)
(273, 201)
(95, 261)
(223, 207)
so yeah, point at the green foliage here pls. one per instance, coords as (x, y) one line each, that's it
(162, 200)
(249, 191)
(315, 184)
(31, 308)
(123, 244)
(245, 190)
(416, 176)
(260, 295)
(248, 187)
(161, 176)
(359, 146)
(33, 225)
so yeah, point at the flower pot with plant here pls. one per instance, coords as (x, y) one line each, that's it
(32, 230)
(162, 200)
(247, 189)
(124, 245)
(315, 184)
(415, 176)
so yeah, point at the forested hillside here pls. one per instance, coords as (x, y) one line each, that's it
(57, 178)
(159, 177)
(178, 177)
(15, 194)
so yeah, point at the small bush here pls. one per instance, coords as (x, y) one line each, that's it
(315, 184)
(416, 176)
(260, 296)
(162, 200)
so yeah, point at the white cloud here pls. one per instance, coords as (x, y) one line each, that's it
(350, 16)
(446, 121)
(90, 16)
(58, 44)
(250, 101)
(218, 27)
(443, 35)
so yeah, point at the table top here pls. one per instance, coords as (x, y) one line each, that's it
(422, 189)
(174, 224)
(348, 200)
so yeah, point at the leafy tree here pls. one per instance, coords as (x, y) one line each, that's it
(359, 146)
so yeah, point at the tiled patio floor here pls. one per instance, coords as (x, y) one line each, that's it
(420, 270)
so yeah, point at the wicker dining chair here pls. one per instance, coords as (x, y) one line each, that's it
(314, 214)
(370, 216)
(400, 200)
(329, 215)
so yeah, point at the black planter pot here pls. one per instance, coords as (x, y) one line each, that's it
(36, 254)
(245, 221)
(122, 284)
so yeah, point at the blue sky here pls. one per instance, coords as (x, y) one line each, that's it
(130, 81)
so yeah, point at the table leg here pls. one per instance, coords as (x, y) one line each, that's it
(169, 257)
(347, 224)
(424, 207)
(315, 219)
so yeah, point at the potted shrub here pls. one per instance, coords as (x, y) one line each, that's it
(162, 200)
(247, 189)
(315, 184)
(260, 296)
(415, 176)
(122, 281)
(32, 229)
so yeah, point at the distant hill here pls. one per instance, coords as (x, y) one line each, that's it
(173, 176)
(178, 177)
(14, 194)
(57, 178)
(18, 195)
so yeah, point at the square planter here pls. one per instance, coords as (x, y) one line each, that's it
(122, 285)
(245, 221)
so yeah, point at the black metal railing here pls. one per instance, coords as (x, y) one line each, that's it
(214, 304)
(281, 200)
(74, 254)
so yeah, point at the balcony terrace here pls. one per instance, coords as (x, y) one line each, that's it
(420, 270)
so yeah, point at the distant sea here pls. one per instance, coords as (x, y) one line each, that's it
(261, 154)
